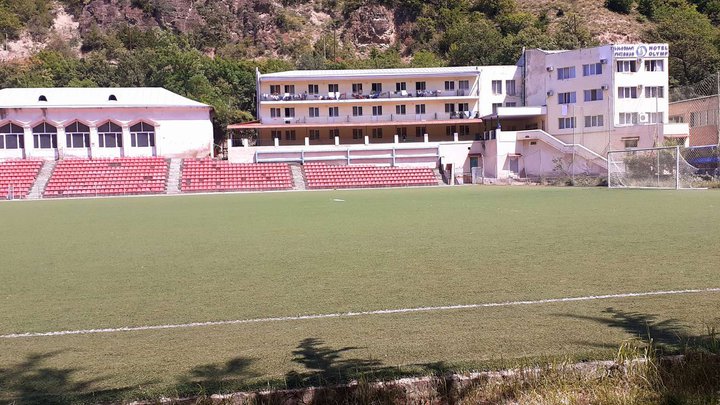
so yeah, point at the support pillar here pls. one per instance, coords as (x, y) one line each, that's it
(277, 141)
(397, 138)
(337, 140)
(367, 140)
(425, 138)
(455, 137)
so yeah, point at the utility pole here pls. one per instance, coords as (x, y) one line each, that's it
(717, 97)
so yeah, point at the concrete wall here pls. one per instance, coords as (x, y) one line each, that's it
(704, 127)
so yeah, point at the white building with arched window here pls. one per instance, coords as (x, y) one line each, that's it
(55, 123)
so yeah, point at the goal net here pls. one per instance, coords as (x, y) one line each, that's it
(663, 167)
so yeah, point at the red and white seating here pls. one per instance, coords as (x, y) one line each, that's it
(18, 176)
(108, 177)
(208, 175)
(321, 175)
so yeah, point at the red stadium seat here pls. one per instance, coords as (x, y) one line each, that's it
(209, 175)
(321, 175)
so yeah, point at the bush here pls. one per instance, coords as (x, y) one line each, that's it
(619, 6)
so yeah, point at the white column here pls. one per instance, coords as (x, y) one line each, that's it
(127, 142)
(61, 141)
(29, 142)
(277, 141)
(425, 138)
(94, 142)
(367, 140)
(397, 138)
(307, 141)
(337, 140)
(455, 137)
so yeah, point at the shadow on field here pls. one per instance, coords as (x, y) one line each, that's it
(214, 378)
(33, 381)
(668, 335)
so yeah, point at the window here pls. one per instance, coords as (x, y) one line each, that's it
(274, 89)
(400, 109)
(510, 87)
(420, 86)
(333, 112)
(333, 88)
(314, 112)
(655, 65)
(335, 132)
(420, 109)
(357, 88)
(497, 86)
(420, 132)
(142, 135)
(110, 135)
(593, 121)
(377, 110)
(567, 98)
(357, 111)
(566, 122)
(44, 136)
(511, 104)
(449, 107)
(112, 97)
(77, 135)
(400, 86)
(313, 89)
(627, 92)
(276, 134)
(275, 113)
(592, 69)
(654, 117)
(449, 85)
(289, 112)
(290, 88)
(12, 137)
(464, 84)
(631, 142)
(676, 119)
(290, 135)
(626, 66)
(463, 107)
(654, 92)
(376, 88)
(565, 73)
(628, 118)
(377, 133)
(357, 133)
(450, 130)
(314, 134)
(464, 130)
(401, 132)
(593, 95)
(495, 107)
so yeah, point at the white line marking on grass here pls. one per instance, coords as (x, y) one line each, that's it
(353, 314)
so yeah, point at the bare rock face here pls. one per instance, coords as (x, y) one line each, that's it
(371, 25)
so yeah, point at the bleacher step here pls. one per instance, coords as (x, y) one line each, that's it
(174, 173)
(42, 179)
(298, 177)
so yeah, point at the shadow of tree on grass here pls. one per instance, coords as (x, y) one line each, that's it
(218, 378)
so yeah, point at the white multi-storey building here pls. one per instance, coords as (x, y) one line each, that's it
(552, 111)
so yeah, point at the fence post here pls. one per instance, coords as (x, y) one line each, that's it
(677, 167)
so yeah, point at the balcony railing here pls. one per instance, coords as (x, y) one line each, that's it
(374, 118)
(362, 96)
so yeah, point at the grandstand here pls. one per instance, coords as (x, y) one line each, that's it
(18, 176)
(207, 175)
(321, 175)
(108, 177)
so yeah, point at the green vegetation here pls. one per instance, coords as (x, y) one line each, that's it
(78, 264)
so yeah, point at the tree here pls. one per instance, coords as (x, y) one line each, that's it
(426, 59)
(573, 33)
(473, 41)
(10, 24)
(619, 6)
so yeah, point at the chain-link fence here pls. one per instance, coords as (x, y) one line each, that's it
(698, 105)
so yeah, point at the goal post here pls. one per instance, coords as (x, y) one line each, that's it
(658, 168)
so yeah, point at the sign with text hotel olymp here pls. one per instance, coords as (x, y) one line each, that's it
(641, 51)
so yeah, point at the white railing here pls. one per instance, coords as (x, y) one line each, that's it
(576, 148)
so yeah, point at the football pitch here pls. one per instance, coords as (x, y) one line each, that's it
(181, 266)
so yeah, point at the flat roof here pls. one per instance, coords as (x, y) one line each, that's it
(94, 97)
(434, 71)
(259, 125)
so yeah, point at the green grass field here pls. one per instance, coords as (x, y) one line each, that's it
(84, 264)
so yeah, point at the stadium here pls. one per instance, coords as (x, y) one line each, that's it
(219, 277)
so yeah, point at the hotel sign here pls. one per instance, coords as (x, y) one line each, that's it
(641, 51)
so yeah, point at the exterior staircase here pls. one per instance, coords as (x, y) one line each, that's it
(298, 177)
(173, 184)
(42, 179)
(439, 177)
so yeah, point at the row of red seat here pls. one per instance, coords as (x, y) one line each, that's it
(107, 177)
(18, 176)
(207, 175)
(321, 175)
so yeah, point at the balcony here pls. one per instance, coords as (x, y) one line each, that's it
(334, 96)
(369, 119)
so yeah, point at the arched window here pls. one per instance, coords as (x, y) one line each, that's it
(112, 98)
(42, 98)
(110, 135)
(77, 135)
(44, 136)
(12, 136)
(142, 135)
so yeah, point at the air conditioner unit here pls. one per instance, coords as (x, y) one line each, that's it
(550, 93)
(604, 87)
(643, 118)
(603, 61)
(288, 120)
(550, 68)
